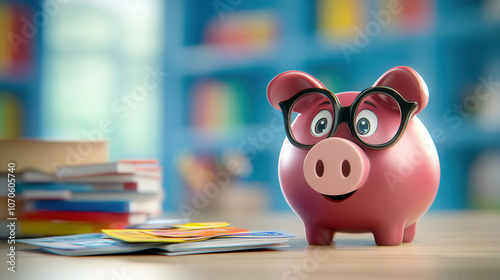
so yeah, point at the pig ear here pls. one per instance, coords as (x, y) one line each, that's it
(408, 83)
(287, 84)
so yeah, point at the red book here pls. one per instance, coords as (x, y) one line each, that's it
(22, 40)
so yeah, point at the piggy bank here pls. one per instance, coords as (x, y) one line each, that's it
(355, 161)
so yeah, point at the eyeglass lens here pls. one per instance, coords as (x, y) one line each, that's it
(376, 119)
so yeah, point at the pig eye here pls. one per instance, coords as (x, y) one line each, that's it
(321, 123)
(366, 123)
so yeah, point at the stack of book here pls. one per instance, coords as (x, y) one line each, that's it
(95, 194)
(88, 198)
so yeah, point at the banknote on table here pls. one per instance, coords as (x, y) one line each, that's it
(247, 241)
(181, 241)
(86, 244)
(101, 247)
(219, 249)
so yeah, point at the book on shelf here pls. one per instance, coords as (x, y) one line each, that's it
(16, 60)
(338, 19)
(218, 104)
(243, 33)
(10, 113)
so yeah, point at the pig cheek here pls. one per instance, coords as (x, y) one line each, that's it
(294, 186)
(291, 174)
(401, 169)
(290, 166)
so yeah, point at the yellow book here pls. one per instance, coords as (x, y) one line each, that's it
(47, 228)
(31, 228)
(9, 116)
(337, 19)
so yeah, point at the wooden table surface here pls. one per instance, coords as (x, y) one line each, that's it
(448, 246)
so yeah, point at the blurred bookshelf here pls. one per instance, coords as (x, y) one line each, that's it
(449, 43)
(19, 75)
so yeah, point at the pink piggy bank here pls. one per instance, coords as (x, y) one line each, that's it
(356, 161)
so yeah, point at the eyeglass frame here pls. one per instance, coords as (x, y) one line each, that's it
(346, 114)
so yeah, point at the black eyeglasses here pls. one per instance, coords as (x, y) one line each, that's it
(377, 117)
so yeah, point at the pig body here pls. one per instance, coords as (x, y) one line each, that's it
(339, 185)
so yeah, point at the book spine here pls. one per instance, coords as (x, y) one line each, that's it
(82, 216)
(150, 206)
(101, 206)
(28, 228)
(104, 196)
(77, 187)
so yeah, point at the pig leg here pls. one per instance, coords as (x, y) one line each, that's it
(389, 235)
(317, 235)
(410, 232)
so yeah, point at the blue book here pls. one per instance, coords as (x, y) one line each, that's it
(149, 206)
(74, 187)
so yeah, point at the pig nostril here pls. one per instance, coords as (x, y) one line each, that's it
(346, 168)
(320, 168)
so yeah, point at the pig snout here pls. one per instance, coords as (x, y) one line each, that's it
(336, 166)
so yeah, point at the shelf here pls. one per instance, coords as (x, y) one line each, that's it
(15, 84)
(207, 59)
